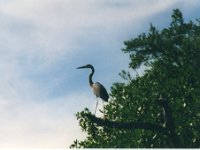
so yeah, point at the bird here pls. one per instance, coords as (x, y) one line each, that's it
(97, 88)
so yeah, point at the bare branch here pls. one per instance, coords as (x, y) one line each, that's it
(127, 125)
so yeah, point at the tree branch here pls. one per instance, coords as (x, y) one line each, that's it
(127, 125)
(168, 129)
(169, 121)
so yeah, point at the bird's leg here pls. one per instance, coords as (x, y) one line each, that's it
(103, 108)
(103, 111)
(96, 107)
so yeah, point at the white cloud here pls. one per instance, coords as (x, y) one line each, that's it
(47, 30)
(39, 124)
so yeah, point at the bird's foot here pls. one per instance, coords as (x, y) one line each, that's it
(101, 111)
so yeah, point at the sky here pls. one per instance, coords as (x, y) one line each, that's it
(42, 42)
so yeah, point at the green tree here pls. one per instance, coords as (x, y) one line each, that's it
(161, 108)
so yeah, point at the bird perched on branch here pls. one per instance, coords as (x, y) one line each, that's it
(98, 89)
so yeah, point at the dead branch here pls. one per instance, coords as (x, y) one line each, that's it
(127, 125)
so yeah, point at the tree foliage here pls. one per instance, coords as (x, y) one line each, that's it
(172, 56)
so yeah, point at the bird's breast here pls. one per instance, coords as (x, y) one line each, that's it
(96, 88)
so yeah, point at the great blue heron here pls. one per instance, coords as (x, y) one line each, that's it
(98, 89)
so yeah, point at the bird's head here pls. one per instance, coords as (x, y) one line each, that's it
(86, 66)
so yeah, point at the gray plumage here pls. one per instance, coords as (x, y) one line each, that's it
(98, 89)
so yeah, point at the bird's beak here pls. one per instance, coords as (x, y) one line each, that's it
(81, 67)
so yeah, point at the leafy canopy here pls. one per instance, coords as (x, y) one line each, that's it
(172, 56)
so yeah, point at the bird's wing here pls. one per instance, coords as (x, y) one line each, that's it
(100, 91)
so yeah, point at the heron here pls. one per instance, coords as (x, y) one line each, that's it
(97, 88)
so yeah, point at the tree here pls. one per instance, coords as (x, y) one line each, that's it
(160, 108)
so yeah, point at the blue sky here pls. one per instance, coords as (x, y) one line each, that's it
(41, 44)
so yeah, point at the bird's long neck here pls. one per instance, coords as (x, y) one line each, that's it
(90, 78)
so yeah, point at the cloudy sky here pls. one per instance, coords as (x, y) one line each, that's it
(41, 44)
